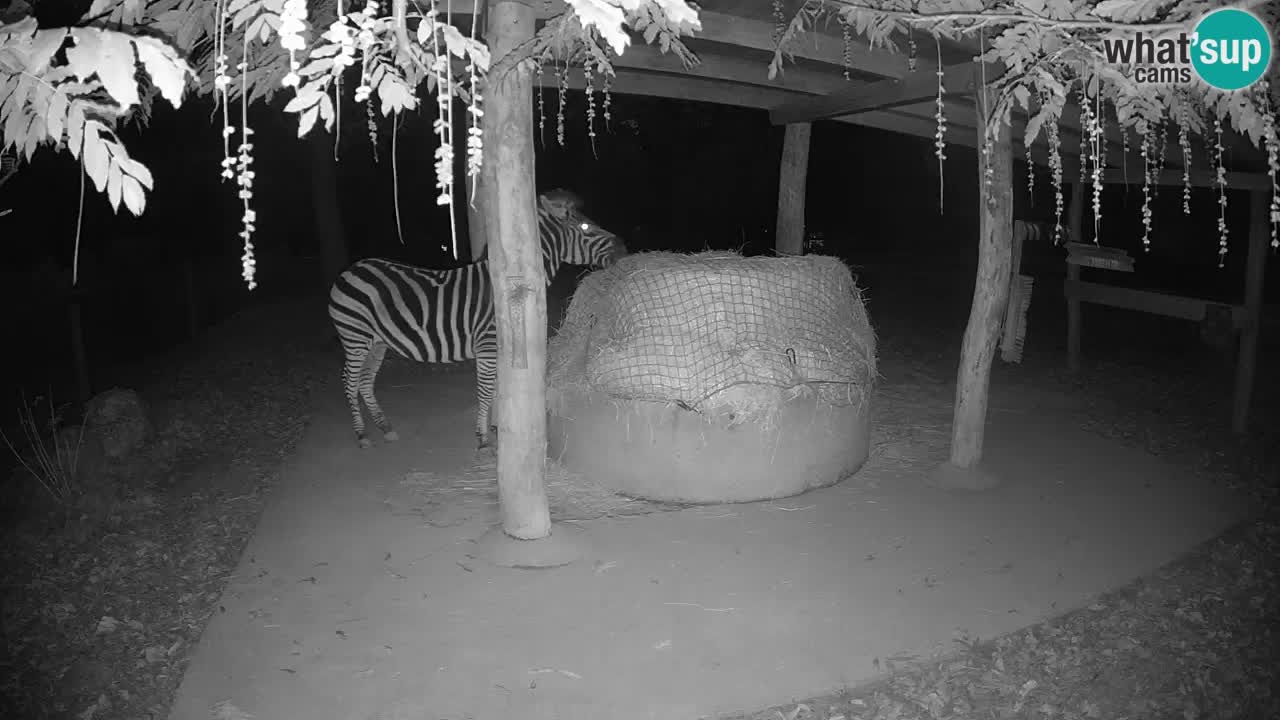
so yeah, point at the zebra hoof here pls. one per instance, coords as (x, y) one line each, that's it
(391, 436)
(365, 443)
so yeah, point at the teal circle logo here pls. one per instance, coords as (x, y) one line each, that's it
(1232, 48)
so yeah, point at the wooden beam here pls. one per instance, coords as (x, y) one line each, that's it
(791, 189)
(759, 35)
(730, 68)
(687, 87)
(1199, 178)
(1154, 303)
(922, 85)
(1255, 273)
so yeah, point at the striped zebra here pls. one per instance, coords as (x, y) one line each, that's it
(444, 316)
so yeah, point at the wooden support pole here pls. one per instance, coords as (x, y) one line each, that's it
(791, 189)
(990, 293)
(515, 267)
(1075, 225)
(1255, 273)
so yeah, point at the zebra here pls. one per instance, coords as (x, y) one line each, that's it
(445, 316)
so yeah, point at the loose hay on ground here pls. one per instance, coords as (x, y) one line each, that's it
(570, 495)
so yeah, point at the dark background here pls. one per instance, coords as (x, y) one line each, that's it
(663, 175)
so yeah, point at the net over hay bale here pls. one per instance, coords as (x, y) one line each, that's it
(713, 377)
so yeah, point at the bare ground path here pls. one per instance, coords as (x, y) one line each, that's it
(355, 599)
(1192, 640)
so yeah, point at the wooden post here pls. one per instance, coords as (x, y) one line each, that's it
(515, 267)
(990, 293)
(1075, 222)
(791, 187)
(1255, 273)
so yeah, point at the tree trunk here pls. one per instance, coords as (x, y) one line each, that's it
(791, 187)
(990, 294)
(515, 266)
(1255, 273)
(325, 209)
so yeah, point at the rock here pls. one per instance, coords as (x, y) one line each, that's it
(118, 420)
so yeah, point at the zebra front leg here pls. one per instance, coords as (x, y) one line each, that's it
(369, 374)
(486, 381)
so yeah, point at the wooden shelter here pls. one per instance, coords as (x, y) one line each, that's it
(828, 77)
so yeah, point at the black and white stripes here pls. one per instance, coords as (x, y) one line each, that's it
(443, 316)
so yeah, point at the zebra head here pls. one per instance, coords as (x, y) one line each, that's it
(571, 238)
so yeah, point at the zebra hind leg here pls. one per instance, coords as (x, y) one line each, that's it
(486, 380)
(368, 374)
(352, 370)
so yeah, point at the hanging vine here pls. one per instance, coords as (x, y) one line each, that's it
(1148, 165)
(846, 35)
(939, 141)
(589, 89)
(1096, 151)
(1055, 169)
(1184, 144)
(542, 102)
(1221, 180)
(562, 75)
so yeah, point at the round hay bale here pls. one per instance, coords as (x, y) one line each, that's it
(663, 452)
(713, 377)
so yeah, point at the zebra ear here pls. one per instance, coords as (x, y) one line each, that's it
(554, 206)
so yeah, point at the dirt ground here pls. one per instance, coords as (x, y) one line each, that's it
(101, 618)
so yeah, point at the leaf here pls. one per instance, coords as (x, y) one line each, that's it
(75, 127)
(168, 71)
(326, 111)
(116, 65)
(95, 157)
(134, 197)
(44, 45)
(308, 120)
(305, 98)
(114, 177)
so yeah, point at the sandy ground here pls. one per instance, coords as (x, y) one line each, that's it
(361, 597)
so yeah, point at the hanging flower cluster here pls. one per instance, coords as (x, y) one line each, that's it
(1222, 194)
(1098, 153)
(244, 178)
(1184, 143)
(1148, 170)
(293, 20)
(591, 106)
(939, 143)
(1272, 143)
(1055, 169)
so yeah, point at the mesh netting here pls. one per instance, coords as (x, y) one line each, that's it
(716, 331)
